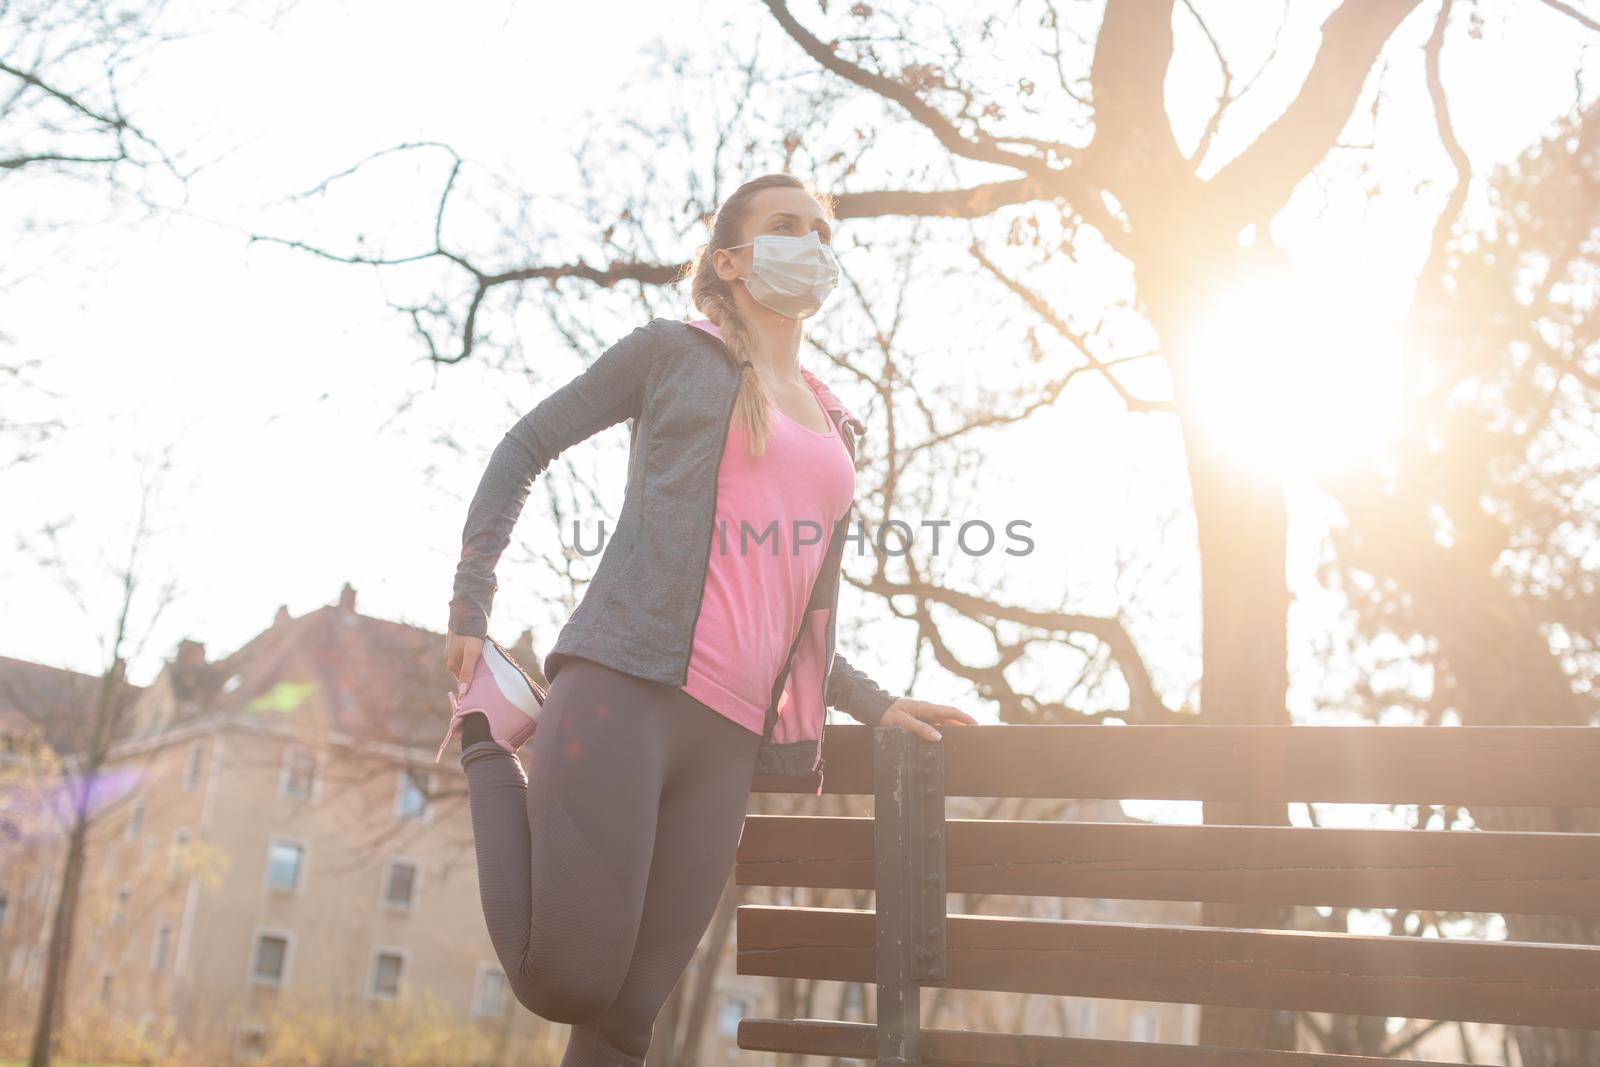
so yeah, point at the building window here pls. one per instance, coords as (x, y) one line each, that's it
(269, 965)
(387, 965)
(136, 820)
(180, 851)
(286, 862)
(119, 911)
(163, 948)
(197, 762)
(5, 904)
(1086, 1017)
(400, 885)
(1144, 1026)
(105, 987)
(411, 798)
(733, 1009)
(299, 778)
(489, 995)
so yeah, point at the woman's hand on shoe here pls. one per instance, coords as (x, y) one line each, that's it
(461, 658)
(919, 715)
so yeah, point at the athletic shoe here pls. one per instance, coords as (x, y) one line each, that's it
(506, 696)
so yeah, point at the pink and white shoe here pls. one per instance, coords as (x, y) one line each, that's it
(506, 696)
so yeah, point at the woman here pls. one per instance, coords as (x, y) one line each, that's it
(704, 639)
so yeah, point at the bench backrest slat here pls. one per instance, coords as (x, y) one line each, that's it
(1552, 766)
(1442, 870)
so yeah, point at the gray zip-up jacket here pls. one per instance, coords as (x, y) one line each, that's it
(675, 384)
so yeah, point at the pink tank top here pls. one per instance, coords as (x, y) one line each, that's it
(774, 515)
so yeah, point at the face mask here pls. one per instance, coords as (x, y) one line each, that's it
(791, 275)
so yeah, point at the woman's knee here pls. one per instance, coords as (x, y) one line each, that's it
(576, 995)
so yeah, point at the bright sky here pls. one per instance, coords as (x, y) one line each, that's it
(276, 377)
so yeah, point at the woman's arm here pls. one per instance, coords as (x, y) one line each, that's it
(607, 392)
(853, 692)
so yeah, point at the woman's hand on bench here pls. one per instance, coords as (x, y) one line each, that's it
(918, 715)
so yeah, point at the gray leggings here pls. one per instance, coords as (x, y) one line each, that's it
(600, 869)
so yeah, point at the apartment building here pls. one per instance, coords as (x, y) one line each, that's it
(271, 834)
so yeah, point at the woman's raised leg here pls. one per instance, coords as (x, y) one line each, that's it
(564, 860)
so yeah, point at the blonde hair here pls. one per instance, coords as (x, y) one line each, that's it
(713, 297)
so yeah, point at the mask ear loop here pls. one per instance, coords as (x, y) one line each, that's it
(744, 364)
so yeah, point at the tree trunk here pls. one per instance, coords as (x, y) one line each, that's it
(80, 788)
(57, 958)
(1241, 524)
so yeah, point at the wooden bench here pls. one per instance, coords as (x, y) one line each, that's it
(910, 855)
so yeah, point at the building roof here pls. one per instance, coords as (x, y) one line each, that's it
(50, 704)
(334, 670)
(329, 671)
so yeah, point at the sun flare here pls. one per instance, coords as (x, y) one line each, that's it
(1294, 377)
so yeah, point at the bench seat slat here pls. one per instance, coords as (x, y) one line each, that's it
(980, 1048)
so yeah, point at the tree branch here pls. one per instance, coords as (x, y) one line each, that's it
(1452, 147)
(1257, 184)
(982, 148)
(1572, 13)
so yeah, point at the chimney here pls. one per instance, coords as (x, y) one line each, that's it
(282, 616)
(185, 674)
(191, 654)
(347, 597)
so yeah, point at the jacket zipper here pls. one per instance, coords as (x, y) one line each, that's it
(827, 668)
(820, 764)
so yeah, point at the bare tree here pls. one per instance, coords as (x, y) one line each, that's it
(84, 737)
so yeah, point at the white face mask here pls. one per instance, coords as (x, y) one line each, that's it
(791, 275)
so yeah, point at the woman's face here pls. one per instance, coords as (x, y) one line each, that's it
(783, 211)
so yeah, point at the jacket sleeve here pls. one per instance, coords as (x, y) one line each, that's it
(606, 393)
(853, 692)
